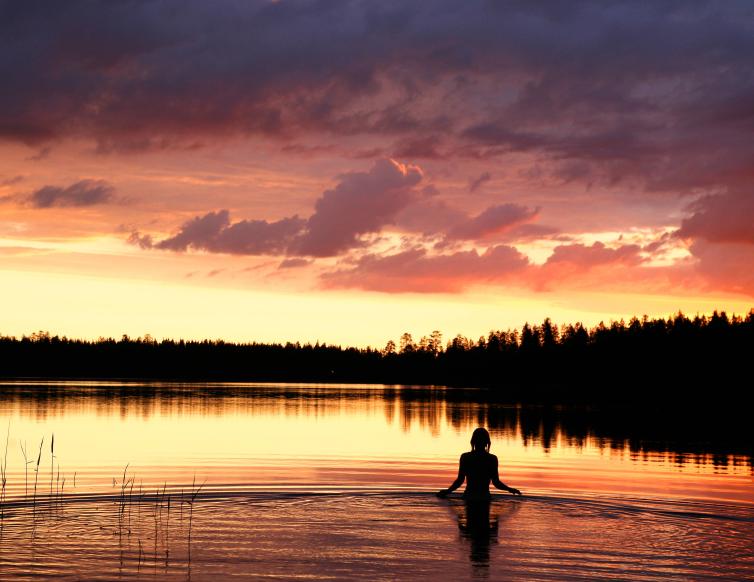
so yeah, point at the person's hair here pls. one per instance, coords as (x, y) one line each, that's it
(480, 439)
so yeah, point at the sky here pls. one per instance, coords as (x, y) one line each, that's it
(344, 171)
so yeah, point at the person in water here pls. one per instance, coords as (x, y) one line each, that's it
(478, 467)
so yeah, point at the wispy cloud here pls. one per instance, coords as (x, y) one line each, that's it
(479, 181)
(82, 193)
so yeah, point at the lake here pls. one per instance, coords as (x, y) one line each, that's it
(182, 481)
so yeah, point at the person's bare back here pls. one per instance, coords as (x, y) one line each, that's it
(478, 468)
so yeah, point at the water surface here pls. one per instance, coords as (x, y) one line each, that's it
(336, 482)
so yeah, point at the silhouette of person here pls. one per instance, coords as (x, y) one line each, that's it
(478, 468)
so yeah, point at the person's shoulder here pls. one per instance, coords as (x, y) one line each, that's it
(465, 455)
(492, 457)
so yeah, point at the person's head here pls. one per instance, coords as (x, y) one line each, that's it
(480, 440)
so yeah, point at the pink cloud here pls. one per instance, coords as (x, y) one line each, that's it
(480, 181)
(494, 220)
(430, 216)
(293, 263)
(436, 217)
(597, 254)
(78, 194)
(416, 271)
(574, 264)
(594, 265)
(725, 217)
(362, 203)
(214, 232)
(725, 266)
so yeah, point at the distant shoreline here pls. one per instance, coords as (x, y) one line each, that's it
(679, 359)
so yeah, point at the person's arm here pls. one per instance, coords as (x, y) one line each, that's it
(457, 483)
(499, 484)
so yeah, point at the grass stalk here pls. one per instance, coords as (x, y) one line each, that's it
(52, 460)
(130, 503)
(194, 493)
(36, 476)
(123, 487)
(26, 470)
(167, 536)
(4, 477)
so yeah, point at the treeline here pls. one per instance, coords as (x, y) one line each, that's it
(700, 358)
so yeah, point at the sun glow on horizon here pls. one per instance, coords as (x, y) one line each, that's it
(89, 307)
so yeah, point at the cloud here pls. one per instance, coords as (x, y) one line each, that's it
(489, 78)
(427, 147)
(720, 236)
(143, 241)
(570, 267)
(12, 180)
(214, 232)
(594, 266)
(528, 232)
(478, 182)
(42, 154)
(725, 266)
(430, 216)
(596, 254)
(294, 263)
(493, 220)
(438, 218)
(416, 271)
(82, 193)
(724, 218)
(362, 203)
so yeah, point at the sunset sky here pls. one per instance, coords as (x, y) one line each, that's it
(345, 171)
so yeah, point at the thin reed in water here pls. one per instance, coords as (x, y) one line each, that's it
(26, 469)
(4, 475)
(52, 460)
(36, 475)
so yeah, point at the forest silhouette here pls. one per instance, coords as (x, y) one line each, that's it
(693, 360)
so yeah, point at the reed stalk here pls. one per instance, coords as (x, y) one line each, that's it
(36, 476)
(26, 470)
(167, 536)
(123, 486)
(52, 460)
(4, 477)
(194, 494)
(156, 506)
(130, 503)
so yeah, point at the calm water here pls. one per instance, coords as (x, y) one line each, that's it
(197, 482)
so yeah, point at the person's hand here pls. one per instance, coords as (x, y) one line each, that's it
(442, 493)
(514, 491)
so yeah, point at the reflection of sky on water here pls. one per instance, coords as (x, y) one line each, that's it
(286, 436)
(376, 536)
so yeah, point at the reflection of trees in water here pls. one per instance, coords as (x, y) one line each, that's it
(682, 436)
